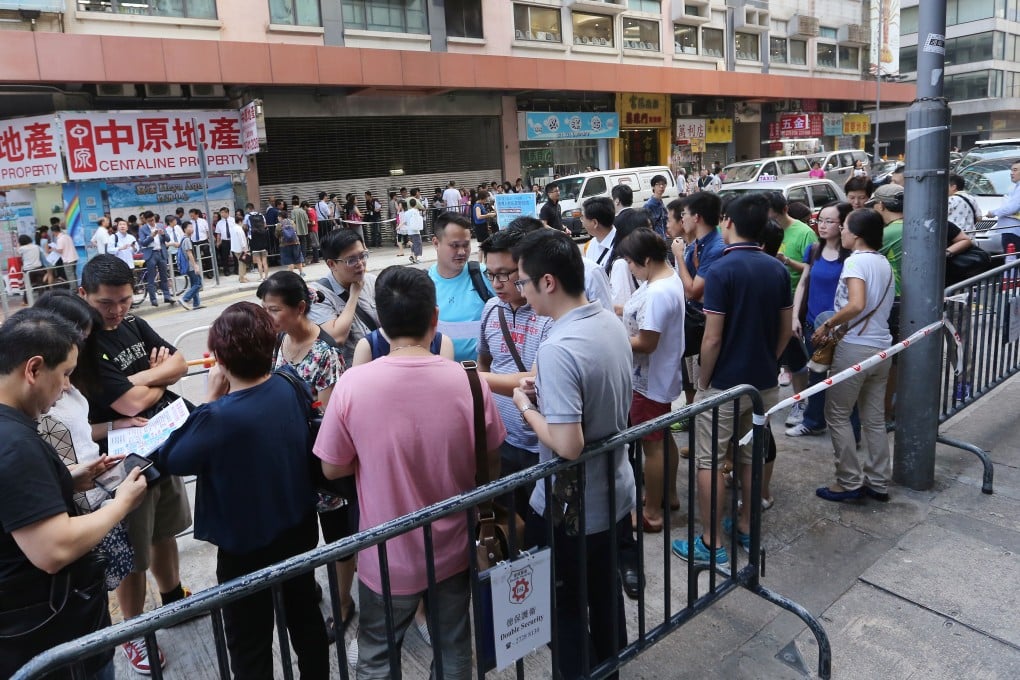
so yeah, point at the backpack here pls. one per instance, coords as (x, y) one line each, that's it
(257, 222)
(475, 272)
(288, 233)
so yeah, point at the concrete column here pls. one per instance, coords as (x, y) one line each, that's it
(511, 142)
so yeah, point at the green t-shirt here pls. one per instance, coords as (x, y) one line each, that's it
(796, 239)
(892, 248)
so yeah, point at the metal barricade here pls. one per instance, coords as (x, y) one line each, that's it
(656, 619)
(32, 290)
(985, 310)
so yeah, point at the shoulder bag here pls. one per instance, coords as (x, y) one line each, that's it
(821, 360)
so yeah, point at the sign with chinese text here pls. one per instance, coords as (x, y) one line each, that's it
(552, 125)
(537, 157)
(521, 606)
(101, 145)
(30, 151)
(643, 110)
(689, 129)
(719, 131)
(885, 38)
(511, 206)
(832, 124)
(800, 125)
(250, 126)
(856, 124)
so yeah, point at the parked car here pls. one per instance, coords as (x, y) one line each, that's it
(839, 165)
(576, 189)
(767, 169)
(989, 182)
(880, 172)
(989, 150)
(816, 193)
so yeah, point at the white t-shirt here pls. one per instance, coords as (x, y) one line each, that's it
(658, 306)
(451, 197)
(411, 222)
(100, 239)
(123, 246)
(621, 282)
(31, 257)
(596, 285)
(238, 240)
(876, 272)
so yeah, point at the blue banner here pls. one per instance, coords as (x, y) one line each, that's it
(511, 206)
(552, 125)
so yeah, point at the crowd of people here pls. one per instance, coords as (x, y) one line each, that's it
(572, 345)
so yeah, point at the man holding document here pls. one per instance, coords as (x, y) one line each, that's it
(135, 366)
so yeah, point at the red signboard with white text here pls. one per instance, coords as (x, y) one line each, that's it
(111, 144)
(30, 151)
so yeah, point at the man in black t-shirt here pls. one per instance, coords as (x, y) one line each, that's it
(42, 532)
(550, 213)
(135, 366)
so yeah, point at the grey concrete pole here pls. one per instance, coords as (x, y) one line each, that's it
(878, 83)
(923, 262)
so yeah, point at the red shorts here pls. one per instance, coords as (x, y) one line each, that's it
(643, 409)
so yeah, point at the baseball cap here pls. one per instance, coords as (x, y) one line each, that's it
(889, 194)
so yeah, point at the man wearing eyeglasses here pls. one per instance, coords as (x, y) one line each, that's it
(461, 290)
(507, 346)
(346, 298)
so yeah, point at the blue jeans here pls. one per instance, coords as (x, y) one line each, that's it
(196, 283)
(814, 414)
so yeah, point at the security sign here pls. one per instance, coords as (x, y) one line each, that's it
(521, 606)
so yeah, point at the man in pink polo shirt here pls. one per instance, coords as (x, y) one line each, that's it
(398, 470)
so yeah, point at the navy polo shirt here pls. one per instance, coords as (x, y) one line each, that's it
(750, 288)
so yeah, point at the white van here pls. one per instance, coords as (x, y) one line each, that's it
(576, 189)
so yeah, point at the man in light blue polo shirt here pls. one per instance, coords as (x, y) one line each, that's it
(551, 277)
(461, 296)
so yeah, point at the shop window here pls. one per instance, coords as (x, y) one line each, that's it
(826, 55)
(850, 58)
(685, 39)
(712, 42)
(396, 16)
(464, 18)
(908, 59)
(294, 12)
(777, 51)
(593, 29)
(537, 23)
(747, 47)
(650, 6)
(186, 9)
(639, 34)
(798, 52)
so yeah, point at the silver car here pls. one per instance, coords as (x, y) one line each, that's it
(989, 182)
(816, 193)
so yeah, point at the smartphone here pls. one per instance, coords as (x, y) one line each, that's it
(112, 478)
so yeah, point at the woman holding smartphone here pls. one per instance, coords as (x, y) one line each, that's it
(254, 499)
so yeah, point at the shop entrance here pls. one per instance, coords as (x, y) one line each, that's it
(640, 147)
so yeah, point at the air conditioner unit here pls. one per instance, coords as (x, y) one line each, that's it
(163, 91)
(781, 105)
(206, 91)
(717, 106)
(803, 26)
(684, 109)
(115, 90)
(854, 34)
(795, 105)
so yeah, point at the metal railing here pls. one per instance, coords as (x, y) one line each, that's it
(985, 310)
(655, 621)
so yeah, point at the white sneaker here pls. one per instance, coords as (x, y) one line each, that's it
(796, 414)
(137, 655)
(802, 430)
(784, 378)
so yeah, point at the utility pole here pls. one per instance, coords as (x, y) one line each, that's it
(878, 80)
(923, 261)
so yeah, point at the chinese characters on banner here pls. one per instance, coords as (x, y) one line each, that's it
(250, 127)
(102, 145)
(832, 124)
(643, 110)
(688, 129)
(796, 126)
(719, 131)
(30, 151)
(856, 124)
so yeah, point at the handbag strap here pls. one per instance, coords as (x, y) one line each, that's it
(486, 512)
(510, 345)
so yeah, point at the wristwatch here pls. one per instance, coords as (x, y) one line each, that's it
(527, 408)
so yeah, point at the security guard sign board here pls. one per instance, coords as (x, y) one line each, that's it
(521, 606)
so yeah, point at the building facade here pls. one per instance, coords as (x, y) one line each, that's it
(373, 94)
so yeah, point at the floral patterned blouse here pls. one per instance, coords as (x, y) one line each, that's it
(320, 368)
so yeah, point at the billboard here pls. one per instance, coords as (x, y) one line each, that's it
(552, 125)
(30, 151)
(885, 37)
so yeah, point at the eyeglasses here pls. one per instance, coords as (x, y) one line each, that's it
(353, 260)
(521, 283)
(501, 278)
